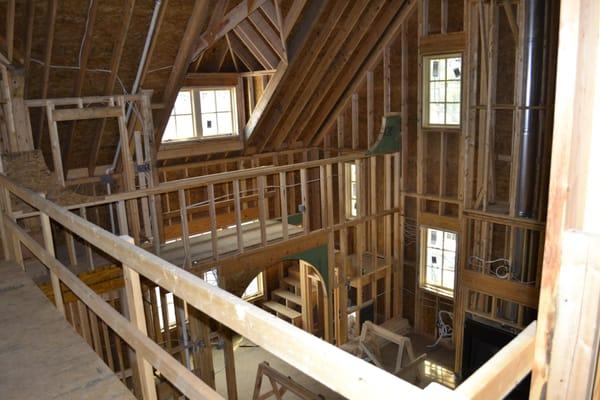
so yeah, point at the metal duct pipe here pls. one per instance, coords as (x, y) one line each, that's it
(533, 54)
(533, 57)
(138, 76)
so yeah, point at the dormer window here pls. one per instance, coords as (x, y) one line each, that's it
(201, 113)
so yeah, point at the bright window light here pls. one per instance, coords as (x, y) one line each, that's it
(442, 90)
(439, 260)
(202, 113)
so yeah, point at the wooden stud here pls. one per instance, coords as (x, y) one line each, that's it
(283, 193)
(49, 244)
(214, 239)
(55, 146)
(230, 376)
(238, 215)
(135, 304)
(185, 230)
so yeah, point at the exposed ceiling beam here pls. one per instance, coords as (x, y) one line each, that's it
(212, 58)
(319, 66)
(315, 135)
(243, 54)
(292, 16)
(10, 29)
(257, 45)
(197, 23)
(28, 40)
(109, 86)
(338, 78)
(264, 28)
(309, 38)
(77, 89)
(230, 21)
(233, 58)
(50, 21)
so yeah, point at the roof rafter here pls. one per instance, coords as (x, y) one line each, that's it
(257, 45)
(369, 55)
(263, 27)
(110, 83)
(297, 72)
(230, 21)
(318, 69)
(50, 22)
(197, 23)
(85, 54)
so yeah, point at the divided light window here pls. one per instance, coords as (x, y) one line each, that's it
(351, 191)
(202, 113)
(442, 90)
(438, 260)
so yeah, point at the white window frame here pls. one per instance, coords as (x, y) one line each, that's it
(432, 287)
(197, 114)
(351, 212)
(427, 87)
(260, 278)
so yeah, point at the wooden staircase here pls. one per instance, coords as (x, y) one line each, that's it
(286, 302)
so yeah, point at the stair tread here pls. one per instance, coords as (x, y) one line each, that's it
(281, 309)
(291, 281)
(288, 296)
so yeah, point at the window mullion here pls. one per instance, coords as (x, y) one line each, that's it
(197, 113)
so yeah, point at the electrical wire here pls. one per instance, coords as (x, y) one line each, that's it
(87, 24)
(444, 330)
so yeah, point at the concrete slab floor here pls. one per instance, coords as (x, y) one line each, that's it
(247, 358)
(436, 367)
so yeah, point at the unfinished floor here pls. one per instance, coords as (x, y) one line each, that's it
(41, 356)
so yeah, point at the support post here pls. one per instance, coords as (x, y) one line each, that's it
(135, 304)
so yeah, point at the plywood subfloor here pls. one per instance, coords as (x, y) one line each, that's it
(41, 356)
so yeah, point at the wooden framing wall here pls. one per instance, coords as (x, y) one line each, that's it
(461, 179)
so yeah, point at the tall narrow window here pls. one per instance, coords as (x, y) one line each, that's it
(438, 260)
(442, 90)
(202, 113)
(351, 191)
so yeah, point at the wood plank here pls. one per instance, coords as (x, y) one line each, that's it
(109, 86)
(501, 373)
(249, 321)
(287, 295)
(265, 29)
(230, 375)
(49, 24)
(176, 373)
(257, 45)
(85, 113)
(353, 73)
(135, 302)
(55, 146)
(282, 310)
(237, 14)
(73, 371)
(196, 24)
(83, 62)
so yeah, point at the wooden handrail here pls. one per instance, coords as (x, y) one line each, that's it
(501, 373)
(221, 177)
(340, 371)
(188, 383)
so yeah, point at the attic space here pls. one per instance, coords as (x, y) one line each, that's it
(314, 199)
